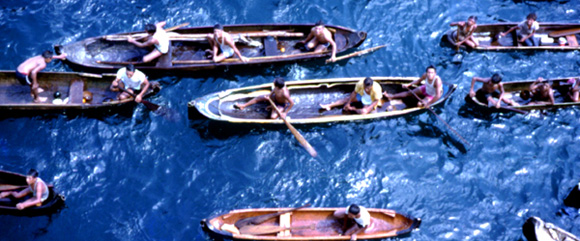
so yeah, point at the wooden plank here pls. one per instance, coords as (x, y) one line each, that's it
(233, 60)
(572, 42)
(285, 222)
(203, 36)
(75, 92)
(564, 32)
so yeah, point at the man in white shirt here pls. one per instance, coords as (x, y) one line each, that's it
(133, 81)
(359, 214)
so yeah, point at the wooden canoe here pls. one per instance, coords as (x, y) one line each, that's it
(307, 95)
(307, 224)
(16, 182)
(513, 90)
(548, 35)
(535, 229)
(276, 43)
(15, 98)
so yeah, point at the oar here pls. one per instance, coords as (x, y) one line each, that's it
(176, 27)
(358, 53)
(295, 132)
(139, 35)
(261, 230)
(263, 218)
(444, 122)
(564, 32)
(148, 104)
(8, 187)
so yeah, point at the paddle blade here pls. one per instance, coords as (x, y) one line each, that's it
(301, 139)
(150, 105)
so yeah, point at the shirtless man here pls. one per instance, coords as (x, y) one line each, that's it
(280, 95)
(539, 92)
(366, 91)
(491, 88)
(319, 39)
(27, 71)
(223, 41)
(157, 37)
(526, 32)
(359, 214)
(36, 186)
(464, 33)
(133, 81)
(430, 92)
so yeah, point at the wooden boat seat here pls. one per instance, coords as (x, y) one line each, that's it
(75, 92)
(572, 41)
(271, 46)
(285, 222)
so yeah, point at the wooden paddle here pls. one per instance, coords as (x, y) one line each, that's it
(358, 53)
(263, 218)
(444, 122)
(8, 187)
(295, 132)
(261, 230)
(148, 104)
(564, 32)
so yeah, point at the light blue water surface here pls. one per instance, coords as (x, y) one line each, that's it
(143, 177)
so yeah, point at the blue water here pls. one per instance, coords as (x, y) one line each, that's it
(143, 177)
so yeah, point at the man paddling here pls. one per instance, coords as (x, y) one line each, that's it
(491, 88)
(36, 186)
(359, 214)
(224, 43)
(27, 72)
(319, 39)
(156, 36)
(133, 81)
(363, 100)
(280, 95)
(430, 92)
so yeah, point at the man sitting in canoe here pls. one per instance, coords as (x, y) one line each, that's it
(280, 95)
(430, 92)
(464, 32)
(133, 81)
(157, 37)
(36, 186)
(319, 40)
(367, 92)
(526, 32)
(359, 214)
(573, 95)
(223, 41)
(491, 88)
(27, 71)
(541, 93)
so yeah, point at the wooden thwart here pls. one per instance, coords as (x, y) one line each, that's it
(565, 32)
(203, 36)
(263, 229)
(572, 41)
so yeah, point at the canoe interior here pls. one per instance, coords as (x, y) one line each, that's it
(560, 86)
(87, 52)
(15, 97)
(488, 36)
(307, 96)
(54, 202)
(385, 223)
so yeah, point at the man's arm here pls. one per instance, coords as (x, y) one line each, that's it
(369, 108)
(160, 25)
(287, 97)
(333, 44)
(308, 38)
(139, 97)
(473, 80)
(34, 72)
(511, 29)
(501, 93)
(527, 37)
(34, 200)
(417, 81)
(60, 56)
(552, 96)
(347, 105)
(147, 43)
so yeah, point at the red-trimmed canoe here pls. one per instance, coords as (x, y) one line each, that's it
(261, 43)
(307, 96)
(16, 182)
(306, 224)
(548, 35)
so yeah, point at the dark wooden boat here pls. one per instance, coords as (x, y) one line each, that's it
(548, 35)
(16, 182)
(266, 44)
(16, 98)
(307, 95)
(305, 224)
(513, 90)
(535, 229)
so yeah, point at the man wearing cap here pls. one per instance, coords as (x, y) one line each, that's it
(133, 81)
(223, 42)
(491, 88)
(359, 214)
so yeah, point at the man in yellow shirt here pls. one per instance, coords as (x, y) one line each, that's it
(366, 92)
